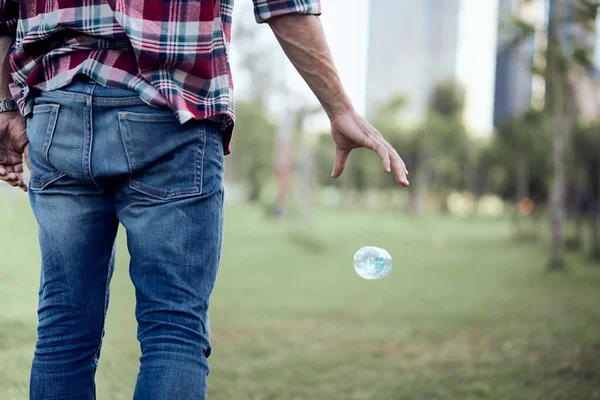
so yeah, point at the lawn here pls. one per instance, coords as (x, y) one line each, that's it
(465, 314)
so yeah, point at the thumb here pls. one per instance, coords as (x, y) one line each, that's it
(26, 153)
(340, 162)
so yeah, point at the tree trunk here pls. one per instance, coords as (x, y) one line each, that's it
(557, 197)
(558, 87)
(283, 164)
(578, 218)
(255, 188)
(578, 238)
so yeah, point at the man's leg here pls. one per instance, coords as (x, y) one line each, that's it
(77, 230)
(172, 210)
(77, 226)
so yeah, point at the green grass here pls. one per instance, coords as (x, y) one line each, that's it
(465, 314)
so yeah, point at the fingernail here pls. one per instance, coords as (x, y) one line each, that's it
(2, 171)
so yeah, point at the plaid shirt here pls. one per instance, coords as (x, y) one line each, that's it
(173, 53)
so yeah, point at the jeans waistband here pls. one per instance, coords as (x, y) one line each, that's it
(82, 88)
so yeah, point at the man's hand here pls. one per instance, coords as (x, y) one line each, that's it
(351, 131)
(13, 146)
(303, 40)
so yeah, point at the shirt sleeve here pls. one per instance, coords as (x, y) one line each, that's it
(9, 15)
(266, 9)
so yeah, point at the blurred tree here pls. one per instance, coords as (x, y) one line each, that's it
(586, 144)
(440, 147)
(387, 119)
(255, 138)
(568, 49)
(523, 148)
(252, 161)
(448, 99)
(257, 58)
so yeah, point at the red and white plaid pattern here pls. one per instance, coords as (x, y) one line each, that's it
(173, 53)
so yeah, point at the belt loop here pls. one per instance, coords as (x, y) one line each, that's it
(89, 90)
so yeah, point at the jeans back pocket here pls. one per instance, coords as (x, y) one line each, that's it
(165, 157)
(40, 131)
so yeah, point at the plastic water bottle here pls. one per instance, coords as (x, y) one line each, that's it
(372, 263)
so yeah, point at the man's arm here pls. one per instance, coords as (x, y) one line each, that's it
(303, 40)
(13, 137)
(9, 16)
(5, 45)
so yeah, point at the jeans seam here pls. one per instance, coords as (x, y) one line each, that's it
(122, 127)
(50, 129)
(118, 101)
(62, 397)
(199, 170)
(89, 136)
(102, 101)
(106, 291)
(42, 185)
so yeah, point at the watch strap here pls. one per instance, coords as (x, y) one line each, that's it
(8, 105)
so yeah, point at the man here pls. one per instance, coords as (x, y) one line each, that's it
(123, 111)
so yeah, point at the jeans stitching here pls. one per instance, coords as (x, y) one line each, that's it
(102, 101)
(199, 174)
(45, 184)
(111, 261)
(122, 126)
(89, 135)
(49, 133)
(34, 184)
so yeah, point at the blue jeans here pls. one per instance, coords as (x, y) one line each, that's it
(99, 157)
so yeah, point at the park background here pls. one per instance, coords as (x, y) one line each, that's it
(495, 291)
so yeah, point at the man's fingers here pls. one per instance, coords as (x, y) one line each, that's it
(20, 184)
(398, 167)
(380, 146)
(399, 170)
(15, 180)
(7, 175)
(393, 150)
(340, 162)
(384, 153)
(10, 177)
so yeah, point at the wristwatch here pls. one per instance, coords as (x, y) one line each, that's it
(8, 105)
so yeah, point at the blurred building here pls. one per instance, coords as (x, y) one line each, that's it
(415, 45)
(514, 62)
(412, 45)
